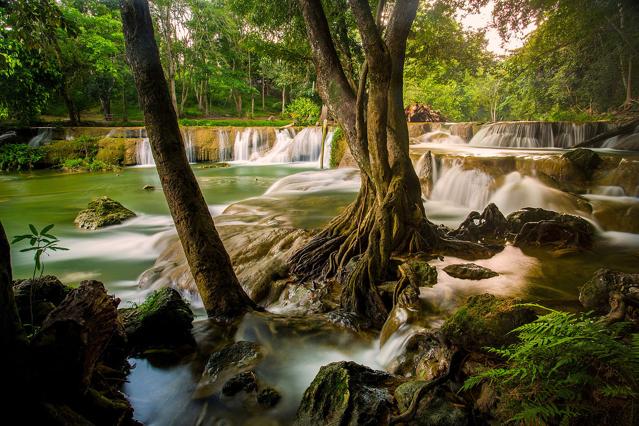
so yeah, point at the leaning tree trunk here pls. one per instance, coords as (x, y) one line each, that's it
(388, 215)
(221, 293)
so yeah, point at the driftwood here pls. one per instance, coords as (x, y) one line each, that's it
(74, 336)
(596, 141)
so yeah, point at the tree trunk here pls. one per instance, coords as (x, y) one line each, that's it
(221, 293)
(283, 99)
(106, 107)
(263, 93)
(125, 112)
(388, 215)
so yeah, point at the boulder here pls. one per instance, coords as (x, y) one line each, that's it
(535, 227)
(596, 293)
(424, 357)
(246, 381)
(347, 393)
(225, 365)
(268, 397)
(584, 160)
(424, 171)
(420, 273)
(103, 211)
(488, 227)
(38, 295)
(163, 320)
(440, 409)
(485, 320)
(469, 271)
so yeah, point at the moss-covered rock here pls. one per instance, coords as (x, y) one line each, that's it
(595, 294)
(103, 211)
(485, 320)
(437, 410)
(585, 160)
(163, 320)
(38, 296)
(469, 271)
(347, 393)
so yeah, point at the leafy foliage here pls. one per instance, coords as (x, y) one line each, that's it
(303, 111)
(565, 366)
(41, 242)
(19, 157)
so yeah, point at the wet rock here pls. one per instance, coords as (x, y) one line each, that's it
(485, 320)
(347, 393)
(163, 320)
(624, 174)
(596, 293)
(488, 227)
(245, 381)
(535, 227)
(38, 295)
(424, 171)
(585, 160)
(148, 188)
(425, 357)
(229, 362)
(469, 271)
(437, 409)
(420, 273)
(102, 211)
(268, 397)
(617, 214)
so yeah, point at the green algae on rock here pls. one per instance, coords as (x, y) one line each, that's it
(101, 212)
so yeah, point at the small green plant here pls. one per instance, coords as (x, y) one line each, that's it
(303, 111)
(338, 148)
(565, 366)
(41, 242)
(19, 157)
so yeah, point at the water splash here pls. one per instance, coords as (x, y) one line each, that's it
(250, 144)
(441, 137)
(302, 147)
(469, 188)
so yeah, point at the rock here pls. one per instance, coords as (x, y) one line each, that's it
(536, 227)
(585, 160)
(102, 211)
(40, 295)
(148, 188)
(163, 320)
(485, 320)
(422, 113)
(469, 271)
(245, 381)
(425, 357)
(234, 359)
(420, 273)
(488, 227)
(437, 410)
(268, 397)
(73, 337)
(596, 293)
(347, 393)
(424, 171)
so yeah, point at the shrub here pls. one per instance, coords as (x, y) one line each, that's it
(82, 147)
(566, 367)
(19, 157)
(303, 111)
(338, 148)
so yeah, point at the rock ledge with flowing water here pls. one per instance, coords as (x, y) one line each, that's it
(101, 212)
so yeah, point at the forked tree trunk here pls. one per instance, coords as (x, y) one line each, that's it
(210, 264)
(388, 215)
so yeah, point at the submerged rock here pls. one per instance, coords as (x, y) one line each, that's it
(535, 227)
(347, 393)
(163, 320)
(229, 363)
(38, 295)
(148, 188)
(485, 320)
(596, 293)
(103, 211)
(469, 271)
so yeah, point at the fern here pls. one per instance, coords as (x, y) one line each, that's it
(560, 365)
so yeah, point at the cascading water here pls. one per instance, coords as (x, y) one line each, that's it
(536, 134)
(249, 145)
(143, 154)
(305, 146)
(188, 146)
(468, 188)
(44, 135)
(441, 137)
(225, 150)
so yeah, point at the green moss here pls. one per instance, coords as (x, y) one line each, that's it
(338, 147)
(102, 211)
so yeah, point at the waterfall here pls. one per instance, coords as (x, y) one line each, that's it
(469, 188)
(249, 145)
(8, 135)
(536, 134)
(441, 137)
(143, 154)
(44, 135)
(188, 146)
(225, 148)
(305, 146)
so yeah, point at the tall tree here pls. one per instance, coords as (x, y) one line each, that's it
(388, 215)
(210, 264)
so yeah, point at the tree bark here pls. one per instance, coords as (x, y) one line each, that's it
(221, 293)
